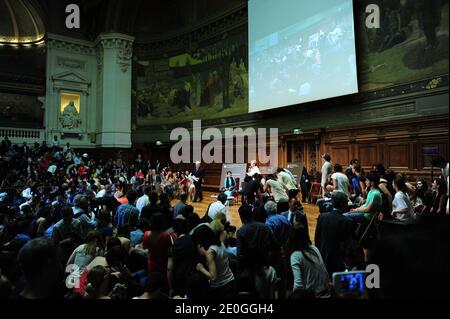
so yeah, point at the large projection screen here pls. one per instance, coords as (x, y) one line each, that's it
(300, 51)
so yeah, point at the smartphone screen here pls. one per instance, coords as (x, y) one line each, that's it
(350, 283)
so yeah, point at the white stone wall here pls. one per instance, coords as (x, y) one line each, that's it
(100, 72)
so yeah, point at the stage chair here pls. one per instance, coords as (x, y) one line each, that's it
(315, 192)
(236, 191)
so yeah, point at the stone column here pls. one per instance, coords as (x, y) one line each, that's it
(114, 84)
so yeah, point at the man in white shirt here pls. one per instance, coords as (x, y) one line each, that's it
(254, 169)
(144, 200)
(219, 207)
(294, 181)
(55, 142)
(276, 189)
(288, 183)
(327, 169)
(402, 208)
(340, 181)
(101, 193)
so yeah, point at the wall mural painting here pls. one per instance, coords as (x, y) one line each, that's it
(208, 83)
(212, 82)
(410, 45)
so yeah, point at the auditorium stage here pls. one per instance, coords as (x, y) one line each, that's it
(312, 212)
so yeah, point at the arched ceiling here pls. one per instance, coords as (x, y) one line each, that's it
(20, 23)
(144, 19)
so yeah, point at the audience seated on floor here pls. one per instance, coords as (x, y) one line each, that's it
(112, 225)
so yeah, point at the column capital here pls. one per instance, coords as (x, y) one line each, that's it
(114, 40)
(122, 43)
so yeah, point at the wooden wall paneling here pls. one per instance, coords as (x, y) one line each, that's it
(311, 158)
(283, 153)
(340, 154)
(427, 149)
(401, 145)
(367, 154)
(412, 154)
(397, 155)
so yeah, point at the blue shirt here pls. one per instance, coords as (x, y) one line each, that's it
(49, 231)
(126, 214)
(136, 237)
(356, 185)
(280, 227)
(178, 208)
(23, 237)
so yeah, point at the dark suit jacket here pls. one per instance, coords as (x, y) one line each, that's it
(200, 173)
(332, 229)
(299, 217)
(254, 241)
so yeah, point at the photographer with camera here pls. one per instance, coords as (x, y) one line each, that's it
(218, 207)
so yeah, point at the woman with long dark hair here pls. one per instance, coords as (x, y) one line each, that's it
(440, 201)
(218, 271)
(307, 264)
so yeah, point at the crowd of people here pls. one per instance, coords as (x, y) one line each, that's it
(384, 192)
(75, 228)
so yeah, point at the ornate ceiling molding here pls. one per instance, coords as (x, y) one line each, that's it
(191, 37)
(63, 43)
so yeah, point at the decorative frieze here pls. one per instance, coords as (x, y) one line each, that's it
(78, 48)
(70, 63)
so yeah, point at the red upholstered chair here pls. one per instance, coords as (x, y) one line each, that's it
(236, 190)
(315, 192)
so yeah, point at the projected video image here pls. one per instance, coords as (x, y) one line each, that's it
(311, 59)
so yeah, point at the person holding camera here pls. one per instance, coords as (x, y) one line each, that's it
(219, 207)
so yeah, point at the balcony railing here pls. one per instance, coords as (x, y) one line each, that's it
(20, 135)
